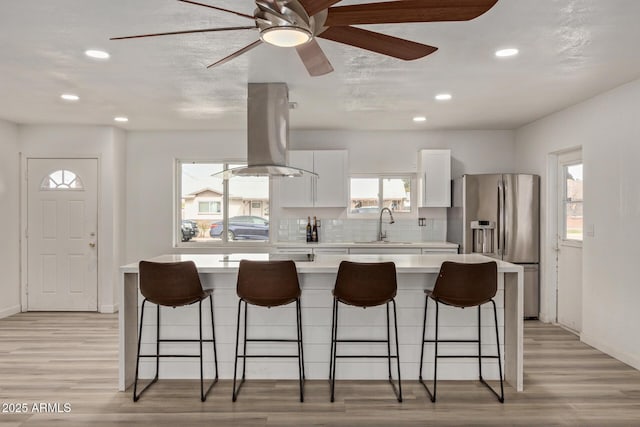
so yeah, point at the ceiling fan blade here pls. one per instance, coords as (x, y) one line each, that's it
(314, 6)
(218, 8)
(377, 42)
(236, 53)
(408, 11)
(205, 30)
(314, 58)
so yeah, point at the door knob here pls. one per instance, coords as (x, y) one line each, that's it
(92, 244)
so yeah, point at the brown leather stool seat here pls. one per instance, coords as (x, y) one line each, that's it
(463, 285)
(365, 285)
(173, 284)
(268, 284)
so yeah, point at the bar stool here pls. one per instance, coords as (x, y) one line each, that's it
(365, 285)
(463, 285)
(268, 284)
(173, 284)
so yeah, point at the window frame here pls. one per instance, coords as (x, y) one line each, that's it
(177, 216)
(413, 194)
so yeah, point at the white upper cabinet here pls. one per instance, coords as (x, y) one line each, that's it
(329, 189)
(434, 174)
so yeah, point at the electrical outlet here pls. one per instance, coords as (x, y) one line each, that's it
(422, 222)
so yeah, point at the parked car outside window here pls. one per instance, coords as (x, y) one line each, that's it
(242, 227)
(189, 230)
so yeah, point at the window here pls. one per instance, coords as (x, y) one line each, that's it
(62, 180)
(209, 207)
(217, 211)
(572, 202)
(370, 194)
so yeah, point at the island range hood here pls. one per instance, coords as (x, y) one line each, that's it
(267, 133)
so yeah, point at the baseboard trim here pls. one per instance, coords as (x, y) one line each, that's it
(109, 308)
(629, 359)
(10, 311)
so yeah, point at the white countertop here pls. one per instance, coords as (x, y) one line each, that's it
(428, 245)
(215, 263)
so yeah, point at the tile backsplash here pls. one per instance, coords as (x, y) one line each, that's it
(363, 230)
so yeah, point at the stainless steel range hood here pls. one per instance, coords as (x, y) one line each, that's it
(267, 133)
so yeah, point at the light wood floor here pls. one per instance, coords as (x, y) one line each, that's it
(72, 358)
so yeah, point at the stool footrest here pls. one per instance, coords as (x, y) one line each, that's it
(169, 355)
(242, 356)
(366, 356)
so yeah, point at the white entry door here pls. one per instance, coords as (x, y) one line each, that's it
(62, 224)
(570, 229)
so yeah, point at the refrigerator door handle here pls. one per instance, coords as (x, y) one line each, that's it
(500, 217)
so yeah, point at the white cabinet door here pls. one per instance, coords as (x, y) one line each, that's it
(432, 251)
(331, 251)
(382, 250)
(435, 178)
(331, 183)
(298, 192)
(329, 189)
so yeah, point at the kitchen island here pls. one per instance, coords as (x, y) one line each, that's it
(317, 276)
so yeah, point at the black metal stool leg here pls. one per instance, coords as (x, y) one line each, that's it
(202, 396)
(213, 337)
(479, 343)
(388, 341)
(395, 323)
(333, 322)
(501, 395)
(424, 333)
(301, 340)
(495, 317)
(244, 350)
(424, 341)
(157, 340)
(136, 395)
(435, 361)
(234, 395)
(300, 354)
(335, 350)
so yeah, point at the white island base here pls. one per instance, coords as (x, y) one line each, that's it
(415, 274)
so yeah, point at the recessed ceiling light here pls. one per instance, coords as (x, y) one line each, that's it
(69, 97)
(97, 54)
(503, 53)
(121, 119)
(443, 96)
(419, 119)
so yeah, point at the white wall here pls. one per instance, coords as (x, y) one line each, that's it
(9, 219)
(106, 144)
(151, 159)
(608, 129)
(151, 180)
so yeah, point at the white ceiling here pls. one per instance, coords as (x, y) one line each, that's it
(570, 50)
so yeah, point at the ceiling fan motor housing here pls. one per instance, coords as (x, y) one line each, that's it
(280, 16)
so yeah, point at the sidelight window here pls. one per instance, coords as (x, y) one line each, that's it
(572, 202)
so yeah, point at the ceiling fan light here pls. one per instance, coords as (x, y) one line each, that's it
(285, 36)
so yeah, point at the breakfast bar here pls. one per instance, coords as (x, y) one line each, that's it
(317, 274)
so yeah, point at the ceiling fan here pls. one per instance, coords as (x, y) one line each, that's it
(297, 23)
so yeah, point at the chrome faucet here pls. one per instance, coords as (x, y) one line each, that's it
(381, 235)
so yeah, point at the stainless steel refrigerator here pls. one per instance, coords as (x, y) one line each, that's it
(498, 215)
